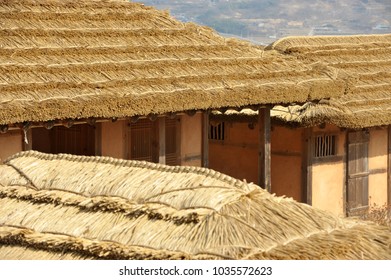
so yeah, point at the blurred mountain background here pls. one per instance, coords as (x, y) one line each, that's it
(264, 21)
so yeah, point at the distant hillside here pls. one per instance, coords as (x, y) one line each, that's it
(267, 20)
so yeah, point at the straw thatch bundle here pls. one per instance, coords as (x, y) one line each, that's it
(63, 59)
(71, 207)
(363, 62)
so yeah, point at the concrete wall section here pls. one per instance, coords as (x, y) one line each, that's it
(191, 140)
(113, 138)
(10, 143)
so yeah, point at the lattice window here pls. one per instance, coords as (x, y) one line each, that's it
(325, 146)
(217, 131)
(171, 141)
(142, 138)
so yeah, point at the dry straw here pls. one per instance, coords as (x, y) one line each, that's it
(364, 62)
(103, 208)
(62, 59)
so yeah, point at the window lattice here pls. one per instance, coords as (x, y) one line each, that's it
(325, 146)
(217, 132)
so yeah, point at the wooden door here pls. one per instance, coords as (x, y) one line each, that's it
(357, 173)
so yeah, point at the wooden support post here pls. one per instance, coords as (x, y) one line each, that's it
(162, 140)
(205, 139)
(307, 166)
(345, 172)
(389, 168)
(264, 151)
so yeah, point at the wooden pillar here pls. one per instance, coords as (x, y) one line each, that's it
(264, 150)
(162, 140)
(205, 139)
(389, 169)
(307, 166)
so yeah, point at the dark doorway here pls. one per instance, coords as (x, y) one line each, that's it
(77, 140)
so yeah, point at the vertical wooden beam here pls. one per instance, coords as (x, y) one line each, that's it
(307, 166)
(178, 140)
(304, 156)
(264, 150)
(345, 171)
(162, 140)
(205, 139)
(389, 169)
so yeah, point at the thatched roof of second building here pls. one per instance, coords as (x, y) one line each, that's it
(63, 59)
(69, 207)
(363, 62)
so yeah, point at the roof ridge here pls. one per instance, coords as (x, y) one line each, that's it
(71, 3)
(60, 13)
(131, 163)
(301, 44)
(98, 30)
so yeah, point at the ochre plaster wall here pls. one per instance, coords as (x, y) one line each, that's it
(377, 165)
(113, 139)
(327, 187)
(10, 143)
(191, 140)
(286, 168)
(237, 155)
(328, 178)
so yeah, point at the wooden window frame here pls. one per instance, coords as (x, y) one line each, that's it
(328, 158)
(223, 132)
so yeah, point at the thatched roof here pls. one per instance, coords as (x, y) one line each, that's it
(72, 207)
(363, 62)
(62, 59)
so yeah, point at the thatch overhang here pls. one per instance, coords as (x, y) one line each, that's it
(279, 115)
(363, 62)
(72, 207)
(113, 59)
